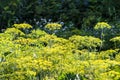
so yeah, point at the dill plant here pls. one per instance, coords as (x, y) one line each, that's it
(24, 27)
(53, 26)
(102, 26)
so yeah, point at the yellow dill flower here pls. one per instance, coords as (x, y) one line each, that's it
(14, 31)
(101, 25)
(53, 26)
(115, 39)
(24, 41)
(22, 26)
(31, 73)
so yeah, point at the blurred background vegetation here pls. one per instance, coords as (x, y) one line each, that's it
(83, 14)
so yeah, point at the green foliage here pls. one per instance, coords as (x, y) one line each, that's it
(8, 12)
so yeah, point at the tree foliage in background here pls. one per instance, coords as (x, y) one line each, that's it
(83, 13)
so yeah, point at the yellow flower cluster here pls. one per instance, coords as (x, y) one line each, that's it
(85, 41)
(53, 26)
(24, 67)
(108, 54)
(38, 55)
(22, 26)
(53, 41)
(14, 31)
(24, 41)
(110, 75)
(37, 33)
(102, 25)
(115, 39)
(30, 62)
(47, 38)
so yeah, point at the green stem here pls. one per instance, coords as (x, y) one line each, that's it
(101, 36)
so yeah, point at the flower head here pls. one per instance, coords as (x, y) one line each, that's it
(22, 26)
(53, 26)
(101, 25)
